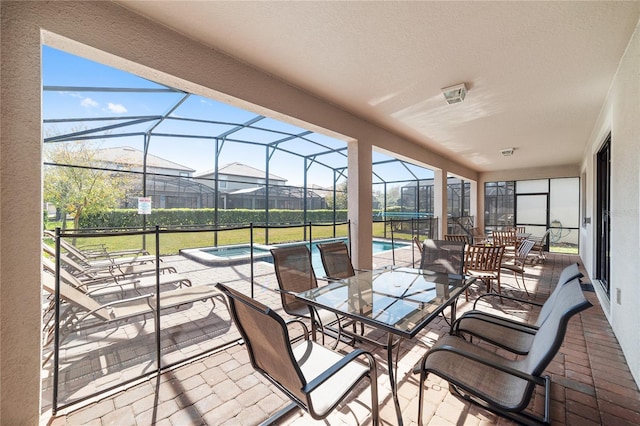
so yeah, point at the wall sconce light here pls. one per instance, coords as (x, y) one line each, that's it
(455, 94)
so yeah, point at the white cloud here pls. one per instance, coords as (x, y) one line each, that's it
(89, 103)
(116, 108)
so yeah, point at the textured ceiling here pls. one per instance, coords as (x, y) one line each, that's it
(537, 72)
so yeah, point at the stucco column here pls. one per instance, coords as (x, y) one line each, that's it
(473, 201)
(360, 203)
(20, 216)
(440, 201)
(479, 191)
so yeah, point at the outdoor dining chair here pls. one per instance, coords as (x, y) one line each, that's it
(483, 262)
(478, 236)
(504, 331)
(295, 274)
(503, 385)
(443, 256)
(519, 261)
(508, 239)
(336, 260)
(314, 377)
(458, 237)
(540, 244)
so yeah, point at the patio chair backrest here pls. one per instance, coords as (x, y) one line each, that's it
(518, 229)
(550, 335)
(66, 261)
(504, 238)
(457, 237)
(74, 297)
(481, 258)
(266, 337)
(443, 256)
(522, 253)
(73, 251)
(295, 274)
(568, 274)
(336, 260)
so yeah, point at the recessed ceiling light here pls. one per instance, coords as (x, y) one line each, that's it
(507, 152)
(455, 94)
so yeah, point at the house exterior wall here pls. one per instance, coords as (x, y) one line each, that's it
(620, 117)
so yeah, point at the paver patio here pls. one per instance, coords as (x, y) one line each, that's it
(591, 383)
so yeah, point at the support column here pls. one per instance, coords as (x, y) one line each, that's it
(20, 215)
(440, 201)
(359, 201)
(473, 202)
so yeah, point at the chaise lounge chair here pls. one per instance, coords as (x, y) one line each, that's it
(108, 273)
(82, 311)
(106, 259)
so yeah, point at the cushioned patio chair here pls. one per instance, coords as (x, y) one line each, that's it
(295, 274)
(503, 385)
(314, 377)
(516, 265)
(503, 331)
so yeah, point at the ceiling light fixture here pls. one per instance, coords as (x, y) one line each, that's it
(507, 152)
(455, 94)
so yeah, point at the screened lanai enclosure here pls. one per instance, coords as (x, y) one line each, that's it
(202, 190)
(135, 139)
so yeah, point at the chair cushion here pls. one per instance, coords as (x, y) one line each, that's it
(313, 360)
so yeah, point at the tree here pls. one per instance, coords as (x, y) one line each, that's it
(341, 197)
(75, 185)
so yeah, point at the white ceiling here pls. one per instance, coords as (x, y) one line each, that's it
(537, 72)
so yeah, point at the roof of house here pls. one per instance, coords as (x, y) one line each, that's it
(239, 169)
(133, 157)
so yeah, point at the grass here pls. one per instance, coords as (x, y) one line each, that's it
(172, 242)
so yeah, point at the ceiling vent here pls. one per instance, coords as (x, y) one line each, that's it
(455, 94)
(507, 152)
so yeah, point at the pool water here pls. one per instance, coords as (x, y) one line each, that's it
(228, 255)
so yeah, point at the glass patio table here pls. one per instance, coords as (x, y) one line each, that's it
(400, 301)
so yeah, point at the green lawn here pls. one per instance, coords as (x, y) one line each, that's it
(171, 243)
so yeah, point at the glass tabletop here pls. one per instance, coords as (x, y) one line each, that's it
(400, 300)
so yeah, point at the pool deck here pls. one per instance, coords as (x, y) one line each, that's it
(591, 382)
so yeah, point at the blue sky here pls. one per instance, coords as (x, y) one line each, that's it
(64, 69)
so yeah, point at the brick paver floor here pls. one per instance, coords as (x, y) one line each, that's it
(591, 383)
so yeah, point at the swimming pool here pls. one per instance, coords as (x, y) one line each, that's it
(241, 253)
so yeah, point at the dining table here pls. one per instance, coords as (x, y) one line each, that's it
(400, 301)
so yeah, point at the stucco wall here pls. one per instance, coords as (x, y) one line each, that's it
(620, 116)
